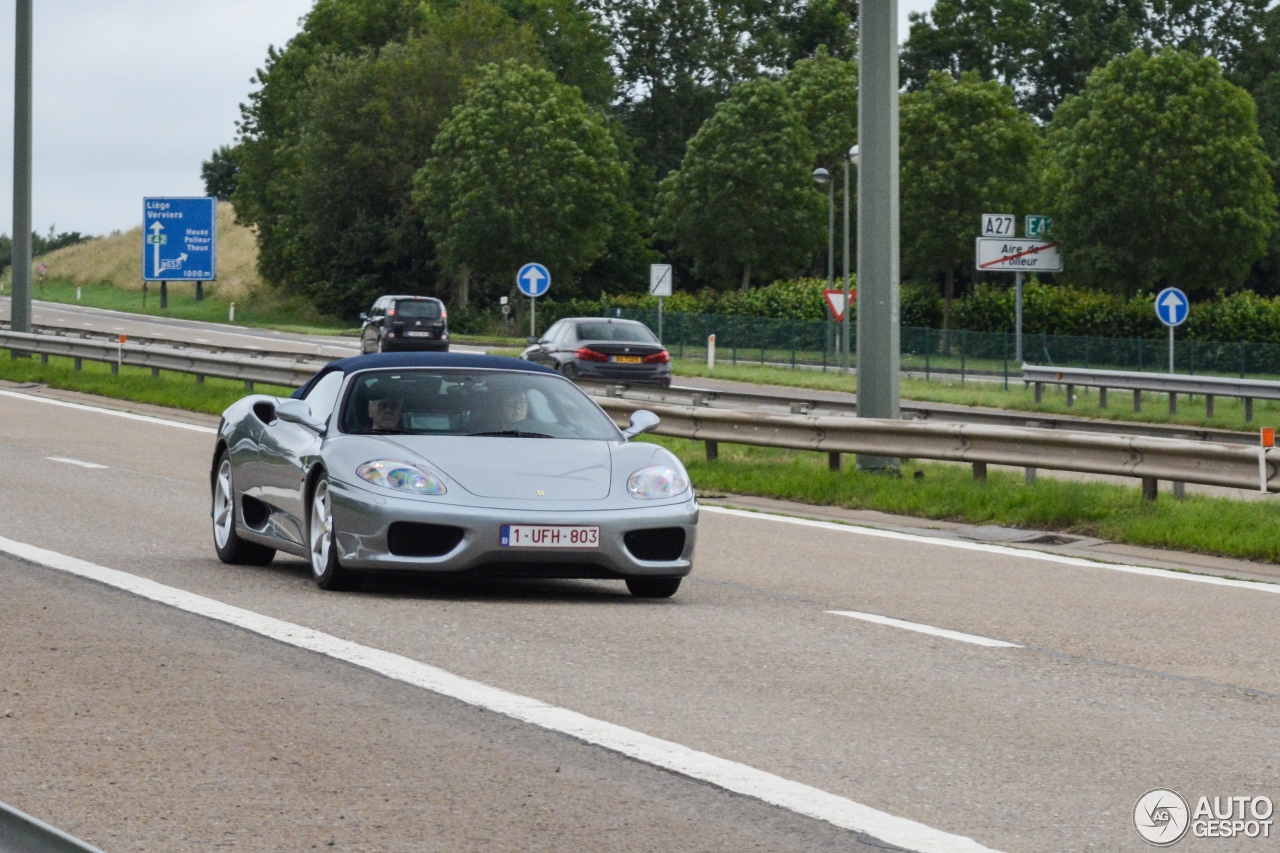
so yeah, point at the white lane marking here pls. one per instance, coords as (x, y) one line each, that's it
(129, 415)
(1003, 551)
(927, 629)
(79, 462)
(729, 775)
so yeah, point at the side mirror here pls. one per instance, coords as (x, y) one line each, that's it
(364, 315)
(642, 421)
(297, 412)
(533, 340)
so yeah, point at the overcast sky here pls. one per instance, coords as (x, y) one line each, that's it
(131, 96)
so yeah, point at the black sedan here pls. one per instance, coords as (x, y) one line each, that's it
(602, 348)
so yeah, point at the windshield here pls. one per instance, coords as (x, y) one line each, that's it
(472, 402)
(418, 308)
(628, 332)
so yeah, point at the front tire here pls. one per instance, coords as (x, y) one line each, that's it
(325, 568)
(653, 587)
(231, 549)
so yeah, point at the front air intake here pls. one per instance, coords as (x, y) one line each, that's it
(411, 539)
(657, 544)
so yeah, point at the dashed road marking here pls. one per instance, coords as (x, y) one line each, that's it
(67, 461)
(927, 629)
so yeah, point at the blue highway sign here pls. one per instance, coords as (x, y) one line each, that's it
(1172, 306)
(533, 280)
(179, 239)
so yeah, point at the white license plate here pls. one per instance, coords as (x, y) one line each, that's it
(418, 334)
(548, 536)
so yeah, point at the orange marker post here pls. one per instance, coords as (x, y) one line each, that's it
(120, 353)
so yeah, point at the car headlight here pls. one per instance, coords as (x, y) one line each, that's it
(657, 481)
(401, 476)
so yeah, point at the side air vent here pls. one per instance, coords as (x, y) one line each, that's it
(657, 544)
(254, 512)
(410, 539)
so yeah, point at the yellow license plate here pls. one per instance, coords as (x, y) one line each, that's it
(627, 359)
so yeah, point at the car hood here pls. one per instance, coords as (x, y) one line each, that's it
(520, 468)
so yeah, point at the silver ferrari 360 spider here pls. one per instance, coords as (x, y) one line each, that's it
(450, 464)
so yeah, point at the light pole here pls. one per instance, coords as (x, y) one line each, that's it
(20, 303)
(850, 158)
(822, 176)
(878, 264)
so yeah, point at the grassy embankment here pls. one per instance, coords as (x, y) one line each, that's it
(108, 273)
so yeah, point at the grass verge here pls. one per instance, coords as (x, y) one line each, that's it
(175, 390)
(264, 311)
(1231, 528)
(1227, 414)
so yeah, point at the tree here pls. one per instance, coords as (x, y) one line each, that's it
(220, 173)
(966, 150)
(824, 91)
(1159, 177)
(1046, 49)
(522, 170)
(365, 125)
(743, 199)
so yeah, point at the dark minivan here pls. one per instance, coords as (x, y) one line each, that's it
(397, 323)
(602, 348)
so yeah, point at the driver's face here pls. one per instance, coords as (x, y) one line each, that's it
(385, 414)
(515, 407)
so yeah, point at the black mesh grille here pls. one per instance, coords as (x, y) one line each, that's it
(410, 539)
(659, 544)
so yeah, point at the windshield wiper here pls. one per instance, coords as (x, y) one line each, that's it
(514, 433)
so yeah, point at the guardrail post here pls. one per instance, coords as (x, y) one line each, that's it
(1039, 393)
(44, 358)
(79, 363)
(155, 373)
(1029, 476)
(1137, 400)
(1179, 489)
(1248, 409)
(834, 462)
(115, 368)
(1208, 405)
(1173, 403)
(199, 378)
(713, 451)
(1071, 395)
(1102, 398)
(248, 386)
(1150, 487)
(980, 471)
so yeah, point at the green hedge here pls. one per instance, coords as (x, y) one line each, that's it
(1047, 309)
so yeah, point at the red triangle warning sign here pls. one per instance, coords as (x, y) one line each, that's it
(835, 301)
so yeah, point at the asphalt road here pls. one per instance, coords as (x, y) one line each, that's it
(80, 317)
(1115, 682)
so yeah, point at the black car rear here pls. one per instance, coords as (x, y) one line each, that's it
(398, 323)
(603, 348)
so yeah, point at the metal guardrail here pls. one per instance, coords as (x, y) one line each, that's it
(169, 343)
(1172, 384)
(796, 403)
(1149, 459)
(22, 833)
(247, 365)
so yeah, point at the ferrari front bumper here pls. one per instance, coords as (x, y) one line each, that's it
(362, 521)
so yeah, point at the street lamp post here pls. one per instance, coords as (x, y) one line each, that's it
(822, 176)
(20, 303)
(851, 158)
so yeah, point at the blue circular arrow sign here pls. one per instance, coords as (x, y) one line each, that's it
(533, 280)
(1172, 306)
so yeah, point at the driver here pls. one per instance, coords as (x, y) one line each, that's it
(513, 410)
(384, 410)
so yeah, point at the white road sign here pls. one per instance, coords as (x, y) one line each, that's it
(1018, 255)
(997, 225)
(659, 279)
